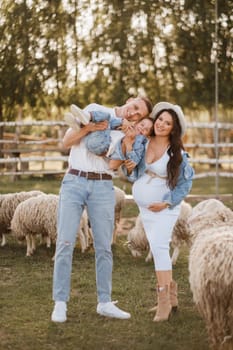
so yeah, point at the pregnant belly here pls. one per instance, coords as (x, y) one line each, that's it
(145, 192)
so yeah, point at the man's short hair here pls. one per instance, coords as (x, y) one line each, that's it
(147, 102)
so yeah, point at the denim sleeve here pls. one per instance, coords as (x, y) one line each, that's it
(115, 122)
(117, 153)
(183, 186)
(93, 107)
(130, 177)
(137, 172)
(138, 149)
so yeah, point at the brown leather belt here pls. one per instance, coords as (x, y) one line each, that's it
(89, 175)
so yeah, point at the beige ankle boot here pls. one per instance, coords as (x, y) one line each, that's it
(164, 304)
(173, 296)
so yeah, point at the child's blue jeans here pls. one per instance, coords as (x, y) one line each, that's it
(98, 142)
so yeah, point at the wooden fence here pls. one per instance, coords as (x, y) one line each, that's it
(22, 153)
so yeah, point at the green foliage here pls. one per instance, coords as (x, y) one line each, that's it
(63, 51)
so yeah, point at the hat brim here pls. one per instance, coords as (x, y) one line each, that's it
(167, 105)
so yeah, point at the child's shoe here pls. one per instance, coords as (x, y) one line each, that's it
(71, 121)
(83, 117)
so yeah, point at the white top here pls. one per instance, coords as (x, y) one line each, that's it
(159, 167)
(80, 158)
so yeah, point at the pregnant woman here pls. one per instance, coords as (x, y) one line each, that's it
(163, 179)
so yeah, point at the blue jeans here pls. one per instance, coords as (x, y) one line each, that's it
(99, 198)
(98, 142)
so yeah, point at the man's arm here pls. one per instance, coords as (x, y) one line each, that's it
(73, 137)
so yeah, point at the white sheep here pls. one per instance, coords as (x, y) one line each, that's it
(137, 241)
(181, 233)
(38, 216)
(119, 204)
(206, 214)
(8, 204)
(85, 233)
(210, 269)
(211, 282)
(206, 206)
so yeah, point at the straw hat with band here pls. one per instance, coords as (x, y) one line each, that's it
(166, 105)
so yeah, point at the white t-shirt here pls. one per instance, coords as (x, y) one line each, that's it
(80, 158)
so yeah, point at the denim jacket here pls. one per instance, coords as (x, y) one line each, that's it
(183, 186)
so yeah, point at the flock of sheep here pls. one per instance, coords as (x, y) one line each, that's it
(32, 215)
(207, 229)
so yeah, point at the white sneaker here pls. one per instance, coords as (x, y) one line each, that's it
(109, 309)
(59, 312)
(83, 117)
(71, 121)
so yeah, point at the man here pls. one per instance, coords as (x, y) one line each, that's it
(88, 183)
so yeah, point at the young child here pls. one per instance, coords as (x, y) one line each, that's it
(142, 130)
(109, 142)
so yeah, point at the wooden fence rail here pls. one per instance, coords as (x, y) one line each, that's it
(15, 147)
(65, 158)
(198, 125)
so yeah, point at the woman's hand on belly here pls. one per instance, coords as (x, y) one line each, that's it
(157, 206)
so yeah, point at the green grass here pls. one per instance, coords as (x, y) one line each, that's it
(26, 305)
(26, 294)
(52, 184)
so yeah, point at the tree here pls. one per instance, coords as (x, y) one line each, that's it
(195, 40)
(68, 51)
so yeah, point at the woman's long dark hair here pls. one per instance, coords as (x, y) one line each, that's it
(175, 149)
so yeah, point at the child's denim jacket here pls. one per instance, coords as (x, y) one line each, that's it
(183, 186)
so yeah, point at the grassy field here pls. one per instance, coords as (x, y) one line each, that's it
(26, 288)
(26, 305)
